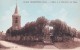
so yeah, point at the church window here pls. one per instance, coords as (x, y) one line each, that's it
(16, 20)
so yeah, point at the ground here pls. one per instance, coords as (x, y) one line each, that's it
(73, 45)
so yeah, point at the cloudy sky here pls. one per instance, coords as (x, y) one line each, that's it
(30, 10)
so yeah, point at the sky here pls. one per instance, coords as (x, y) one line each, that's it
(65, 10)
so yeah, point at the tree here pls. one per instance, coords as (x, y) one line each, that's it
(30, 28)
(78, 34)
(41, 22)
(8, 32)
(62, 31)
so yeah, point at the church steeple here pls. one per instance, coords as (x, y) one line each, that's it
(16, 19)
(16, 10)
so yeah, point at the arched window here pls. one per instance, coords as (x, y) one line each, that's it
(16, 20)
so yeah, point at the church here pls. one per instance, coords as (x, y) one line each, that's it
(16, 20)
(16, 25)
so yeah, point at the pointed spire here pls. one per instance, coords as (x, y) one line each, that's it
(16, 9)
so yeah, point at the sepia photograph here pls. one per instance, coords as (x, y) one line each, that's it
(39, 24)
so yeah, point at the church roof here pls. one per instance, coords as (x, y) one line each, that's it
(16, 10)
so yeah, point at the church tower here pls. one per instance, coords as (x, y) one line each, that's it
(16, 20)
